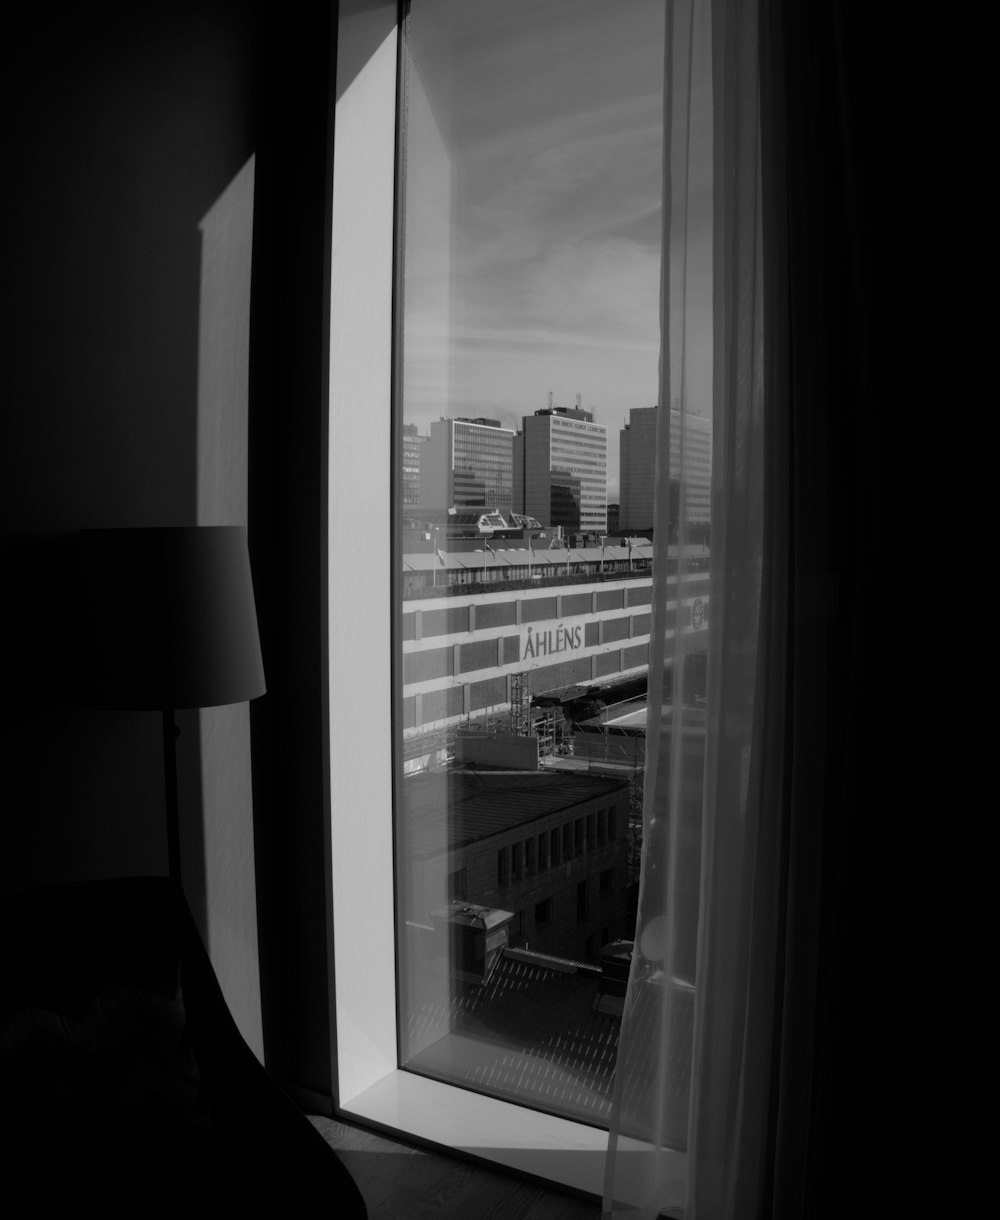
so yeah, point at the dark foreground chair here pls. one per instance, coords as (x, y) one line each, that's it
(125, 1085)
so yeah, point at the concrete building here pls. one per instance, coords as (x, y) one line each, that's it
(413, 444)
(561, 469)
(579, 618)
(467, 463)
(548, 847)
(637, 467)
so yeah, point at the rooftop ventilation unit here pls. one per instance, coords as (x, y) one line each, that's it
(476, 937)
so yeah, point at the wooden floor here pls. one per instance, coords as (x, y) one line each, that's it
(403, 1182)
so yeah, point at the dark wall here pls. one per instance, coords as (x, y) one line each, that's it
(122, 125)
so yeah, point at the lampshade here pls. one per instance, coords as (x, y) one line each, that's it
(167, 618)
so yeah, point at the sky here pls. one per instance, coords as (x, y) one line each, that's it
(533, 186)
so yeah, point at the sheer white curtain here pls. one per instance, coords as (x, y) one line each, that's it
(689, 1127)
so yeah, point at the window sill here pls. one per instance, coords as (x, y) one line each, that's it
(552, 1150)
(510, 1137)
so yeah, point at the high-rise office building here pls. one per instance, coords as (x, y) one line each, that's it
(637, 468)
(413, 443)
(561, 469)
(467, 463)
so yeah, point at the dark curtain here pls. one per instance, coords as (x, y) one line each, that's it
(885, 1082)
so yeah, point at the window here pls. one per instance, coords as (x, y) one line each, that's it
(458, 883)
(478, 135)
(361, 357)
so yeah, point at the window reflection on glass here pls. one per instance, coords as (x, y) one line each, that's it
(531, 158)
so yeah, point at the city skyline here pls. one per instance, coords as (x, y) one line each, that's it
(450, 468)
(533, 215)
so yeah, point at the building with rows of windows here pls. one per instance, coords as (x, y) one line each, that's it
(561, 469)
(547, 847)
(467, 463)
(690, 434)
(413, 444)
(512, 626)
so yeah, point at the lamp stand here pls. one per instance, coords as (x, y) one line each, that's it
(170, 781)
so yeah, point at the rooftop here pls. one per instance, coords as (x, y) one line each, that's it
(518, 553)
(482, 803)
(532, 1034)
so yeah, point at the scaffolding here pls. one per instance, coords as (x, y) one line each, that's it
(520, 715)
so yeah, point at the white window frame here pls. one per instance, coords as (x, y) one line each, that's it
(371, 1088)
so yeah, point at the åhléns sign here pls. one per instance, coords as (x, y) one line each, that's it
(549, 643)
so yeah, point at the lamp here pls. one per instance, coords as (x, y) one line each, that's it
(169, 622)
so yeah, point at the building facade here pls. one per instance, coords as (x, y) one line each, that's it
(467, 463)
(413, 444)
(691, 434)
(465, 649)
(548, 847)
(561, 467)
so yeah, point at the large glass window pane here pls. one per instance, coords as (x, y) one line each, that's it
(530, 163)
